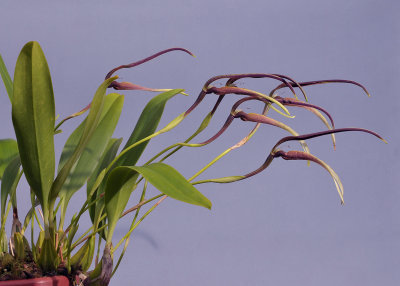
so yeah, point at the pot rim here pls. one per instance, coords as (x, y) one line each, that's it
(58, 280)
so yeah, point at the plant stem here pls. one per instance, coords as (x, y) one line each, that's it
(168, 127)
(140, 204)
(132, 224)
(139, 221)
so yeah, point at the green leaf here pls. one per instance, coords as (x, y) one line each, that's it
(166, 179)
(146, 125)
(8, 151)
(21, 246)
(48, 258)
(70, 145)
(6, 79)
(108, 155)
(93, 151)
(3, 241)
(9, 182)
(170, 182)
(84, 256)
(74, 138)
(91, 124)
(33, 115)
(120, 184)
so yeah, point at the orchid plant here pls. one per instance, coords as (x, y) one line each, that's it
(91, 157)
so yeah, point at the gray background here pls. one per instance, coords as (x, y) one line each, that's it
(285, 226)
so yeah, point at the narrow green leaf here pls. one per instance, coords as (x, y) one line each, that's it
(223, 180)
(90, 126)
(146, 125)
(93, 151)
(33, 115)
(70, 145)
(6, 79)
(9, 182)
(84, 256)
(8, 151)
(3, 242)
(30, 213)
(74, 138)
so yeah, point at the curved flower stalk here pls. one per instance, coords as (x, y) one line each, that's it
(295, 155)
(317, 82)
(231, 78)
(82, 111)
(130, 86)
(142, 61)
(259, 118)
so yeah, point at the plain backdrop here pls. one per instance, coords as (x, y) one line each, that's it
(285, 226)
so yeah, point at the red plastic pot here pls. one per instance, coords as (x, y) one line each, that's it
(44, 281)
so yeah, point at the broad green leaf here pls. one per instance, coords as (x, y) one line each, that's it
(33, 115)
(108, 155)
(166, 179)
(9, 182)
(170, 182)
(6, 79)
(146, 125)
(70, 145)
(8, 151)
(91, 123)
(93, 151)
